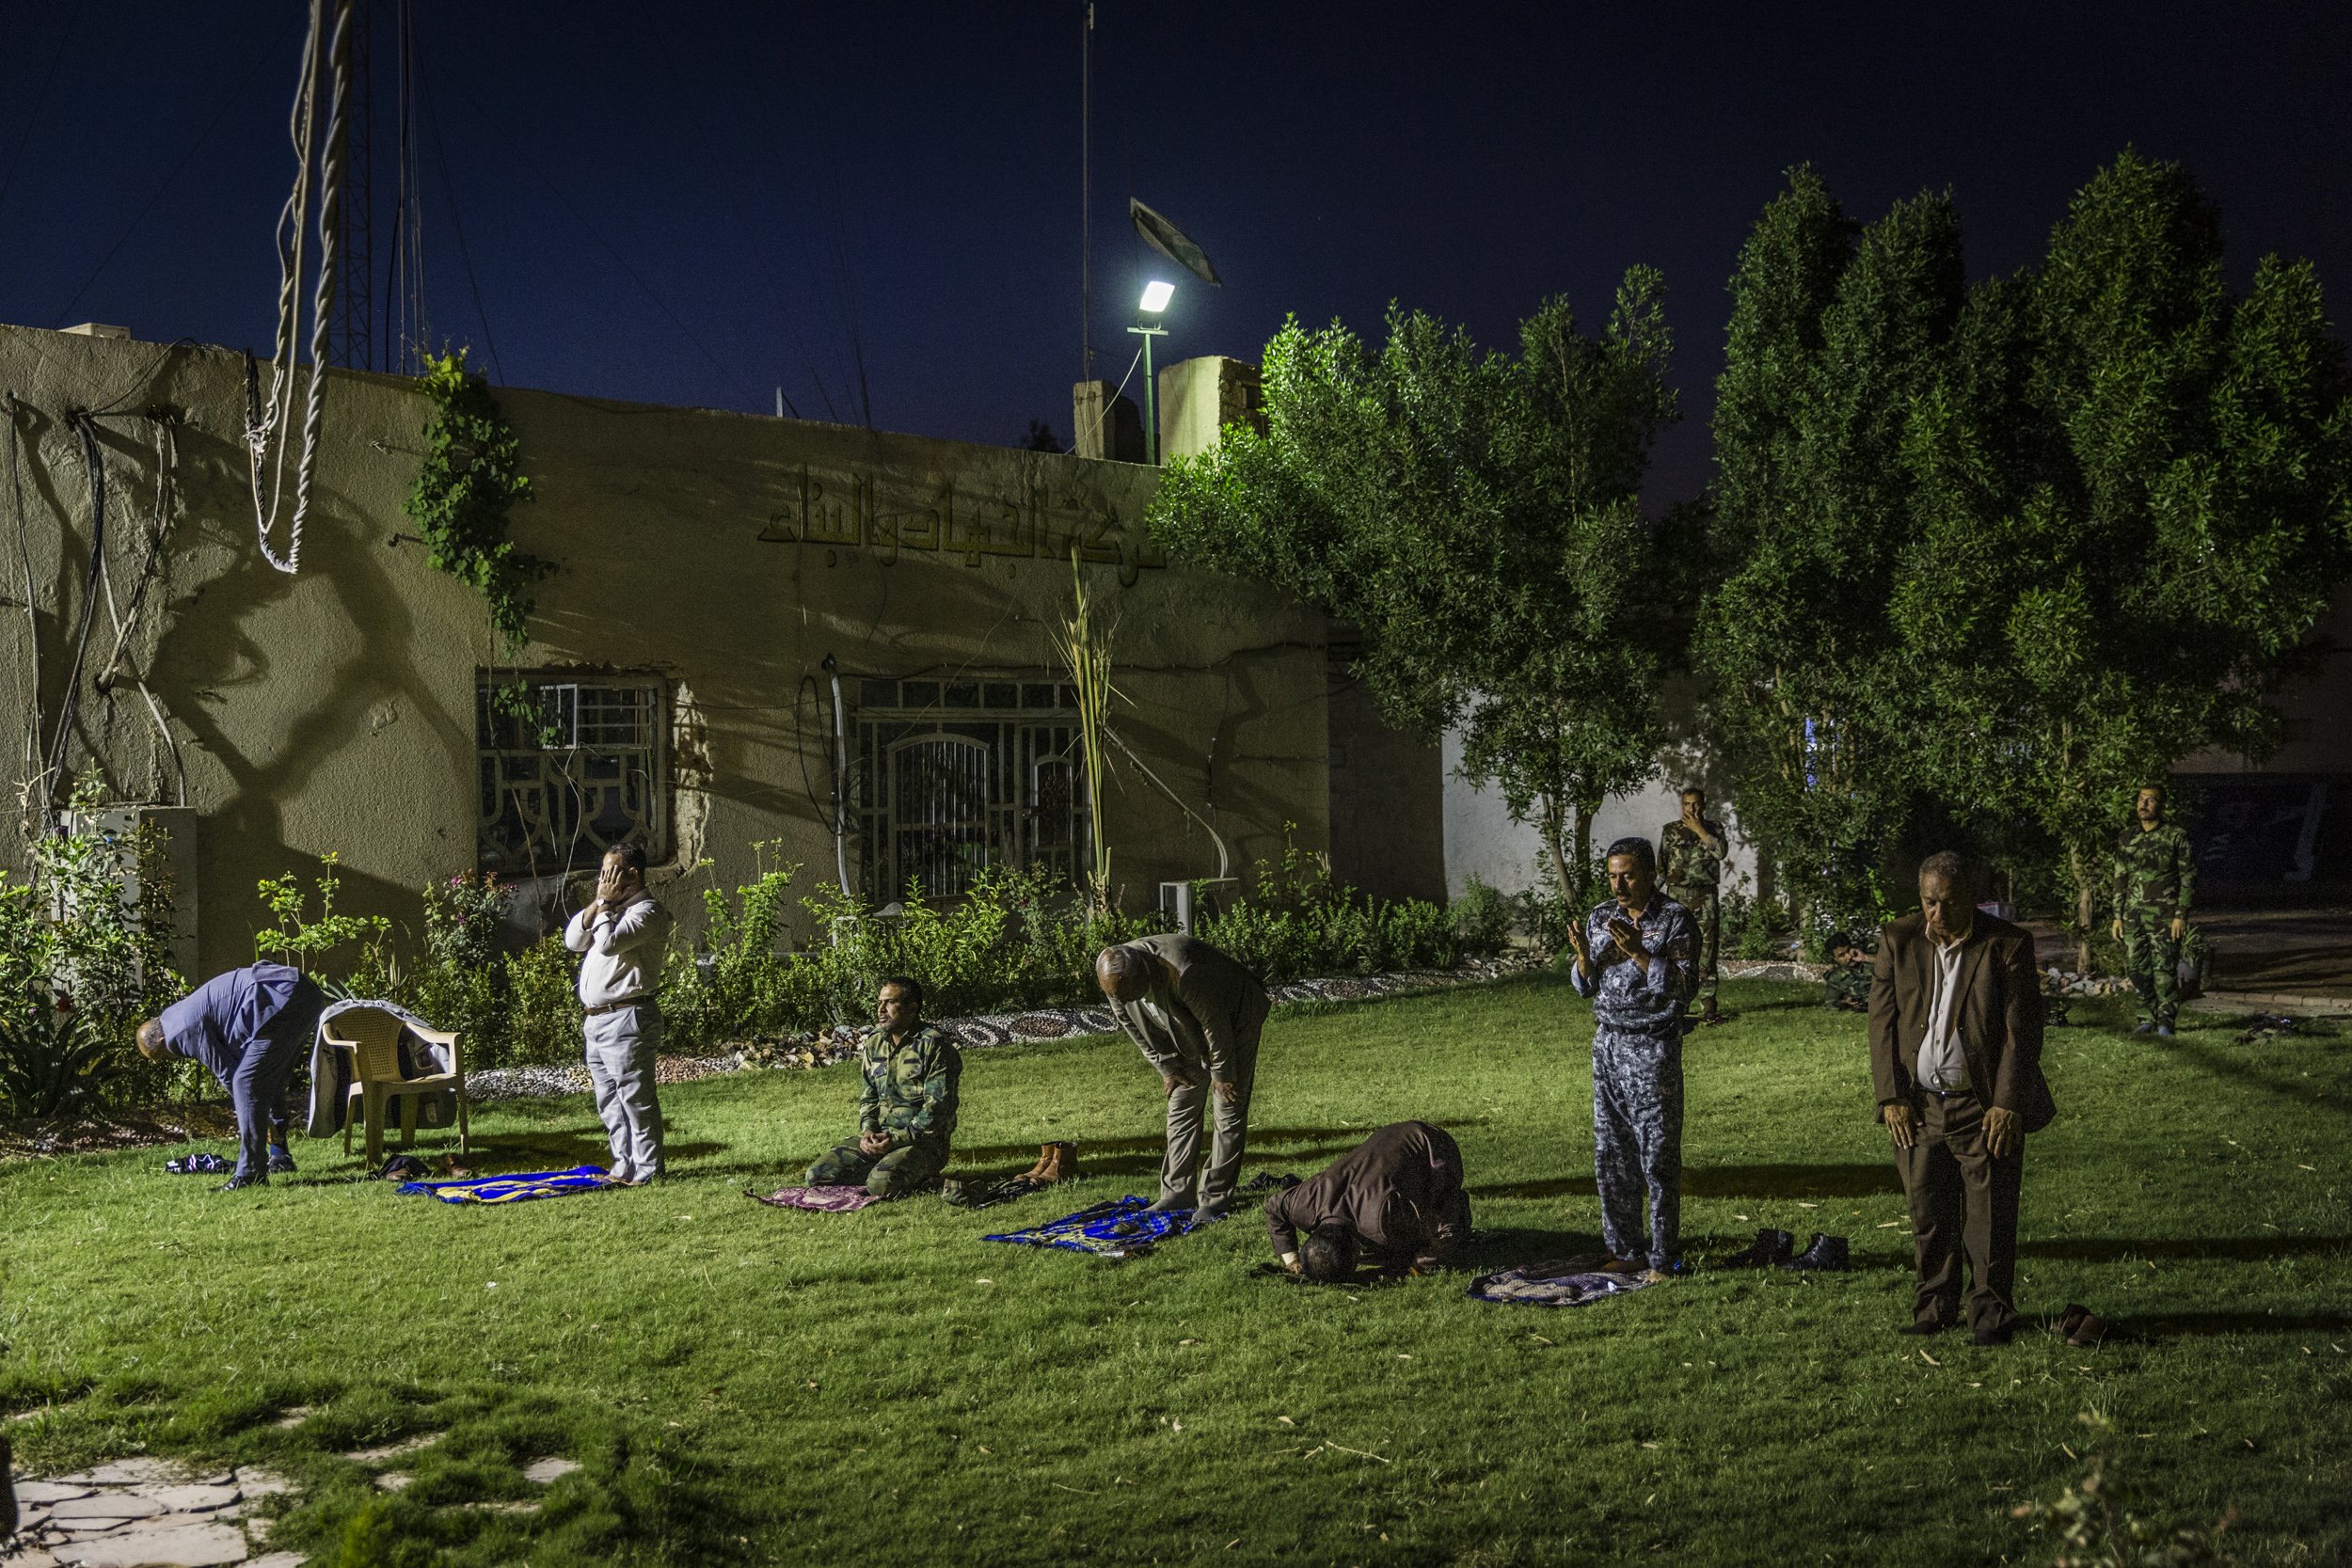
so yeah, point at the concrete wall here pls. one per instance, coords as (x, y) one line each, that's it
(334, 709)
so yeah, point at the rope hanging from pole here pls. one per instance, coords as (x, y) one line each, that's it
(325, 56)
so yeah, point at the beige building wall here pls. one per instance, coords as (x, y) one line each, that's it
(334, 709)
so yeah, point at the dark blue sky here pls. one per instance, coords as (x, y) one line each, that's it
(802, 188)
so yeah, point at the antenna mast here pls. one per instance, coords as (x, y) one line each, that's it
(1086, 193)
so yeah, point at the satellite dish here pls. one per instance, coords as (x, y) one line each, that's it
(1172, 243)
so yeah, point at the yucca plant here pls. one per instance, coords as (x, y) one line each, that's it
(1086, 652)
(52, 1060)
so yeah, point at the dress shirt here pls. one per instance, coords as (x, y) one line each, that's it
(623, 951)
(1942, 1064)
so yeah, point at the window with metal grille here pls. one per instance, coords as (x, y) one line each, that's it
(950, 777)
(569, 766)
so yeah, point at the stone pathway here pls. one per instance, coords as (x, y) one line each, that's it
(152, 1513)
(135, 1512)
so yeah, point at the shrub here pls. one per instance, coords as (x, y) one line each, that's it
(1299, 921)
(81, 964)
(543, 1016)
(1481, 919)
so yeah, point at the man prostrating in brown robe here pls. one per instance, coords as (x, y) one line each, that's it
(1956, 1055)
(1397, 1197)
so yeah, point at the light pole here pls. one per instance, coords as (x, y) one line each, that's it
(1147, 313)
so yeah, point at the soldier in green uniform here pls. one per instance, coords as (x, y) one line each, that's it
(1846, 986)
(2156, 874)
(907, 1112)
(1691, 855)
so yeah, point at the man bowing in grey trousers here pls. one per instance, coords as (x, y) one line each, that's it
(619, 937)
(1196, 1014)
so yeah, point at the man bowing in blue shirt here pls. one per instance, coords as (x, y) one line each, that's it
(250, 1026)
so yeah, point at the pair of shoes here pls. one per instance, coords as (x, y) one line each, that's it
(1771, 1247)
(280, 1163)
(1055, 1163)
(402, 1168)
(2080, 1327)
(238, 1183)
(1825, 1253)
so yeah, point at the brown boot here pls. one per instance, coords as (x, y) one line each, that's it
(1037, 1172)
(1060, 1163)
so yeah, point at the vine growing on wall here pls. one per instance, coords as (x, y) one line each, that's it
(470, 480)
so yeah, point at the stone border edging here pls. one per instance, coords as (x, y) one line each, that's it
(980, 1031)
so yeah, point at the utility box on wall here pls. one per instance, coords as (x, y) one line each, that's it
(175, 863)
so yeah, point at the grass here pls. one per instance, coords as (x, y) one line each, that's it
(748, 1385)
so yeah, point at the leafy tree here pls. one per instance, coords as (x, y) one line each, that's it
(1475, 517)
(2134, 503)
(1835, 332)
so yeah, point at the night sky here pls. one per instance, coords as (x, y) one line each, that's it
(693, 203)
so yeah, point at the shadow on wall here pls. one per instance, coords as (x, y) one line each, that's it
(208, 664)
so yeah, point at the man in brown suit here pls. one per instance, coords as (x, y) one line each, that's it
(1196, 1014)
(1956, 1054)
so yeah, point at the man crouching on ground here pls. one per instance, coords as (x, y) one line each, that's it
(906, 1114)
(1397, 1198)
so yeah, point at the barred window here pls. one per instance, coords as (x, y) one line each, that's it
(950, 777)
(569, 766)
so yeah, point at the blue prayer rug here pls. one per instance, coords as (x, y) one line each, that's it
(1569, 1282)
(1119, 1229)
(513, 1189)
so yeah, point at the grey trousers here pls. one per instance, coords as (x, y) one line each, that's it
(621, 1048)
(1186, 1109)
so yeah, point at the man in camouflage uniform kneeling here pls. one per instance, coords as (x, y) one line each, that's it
(907, 1111)
(2156, 874)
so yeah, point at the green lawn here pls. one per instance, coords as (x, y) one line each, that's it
(748, 1385)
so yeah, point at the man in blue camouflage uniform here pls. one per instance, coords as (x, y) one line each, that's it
(907, 1112)
(1636, 958)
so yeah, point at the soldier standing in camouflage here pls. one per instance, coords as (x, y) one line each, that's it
(1691, 855)
(2156, 874)
(907, 1112)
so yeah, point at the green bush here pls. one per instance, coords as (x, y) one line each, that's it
(1298, 921)
(1481, 919)
(81, 966)
(1755, 927)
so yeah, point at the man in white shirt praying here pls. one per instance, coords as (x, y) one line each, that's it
(620, 937)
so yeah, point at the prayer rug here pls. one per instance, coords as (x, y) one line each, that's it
(1567, 1282)
(513, 1189)
(1118, 1229)
(823, 1200)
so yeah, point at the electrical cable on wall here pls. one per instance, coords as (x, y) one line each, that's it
(167, 464)
(266, 418)
(34, 724)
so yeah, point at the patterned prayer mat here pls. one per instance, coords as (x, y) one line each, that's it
(513, 1189)
(823, 1200)
(1119, 1229)
(1567, 1282)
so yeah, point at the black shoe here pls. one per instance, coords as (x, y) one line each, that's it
(1924, 1328)
(1827, 1254)
(280, 1163)
(1999, 1334)
(1771, 1247)
(236, 1183)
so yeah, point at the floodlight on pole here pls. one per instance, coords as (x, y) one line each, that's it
(1149, 311)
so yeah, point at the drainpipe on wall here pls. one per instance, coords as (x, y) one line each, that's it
(840, 786)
